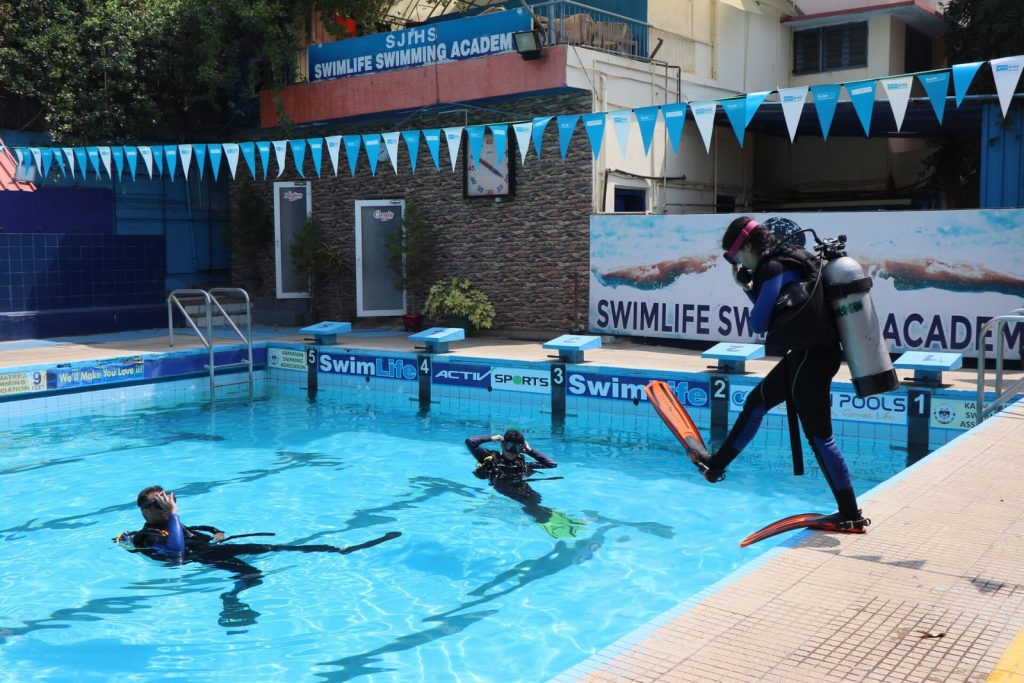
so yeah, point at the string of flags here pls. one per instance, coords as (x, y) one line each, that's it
(740, 111)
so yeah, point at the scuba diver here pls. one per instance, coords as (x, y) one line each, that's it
(164, 537)
(784, 283)
(508, 470)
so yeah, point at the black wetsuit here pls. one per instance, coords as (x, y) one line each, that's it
(507, 472)
(789, 307)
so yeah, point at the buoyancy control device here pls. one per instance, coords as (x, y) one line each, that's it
(847, 290)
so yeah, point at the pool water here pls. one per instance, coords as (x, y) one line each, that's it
(475, 589)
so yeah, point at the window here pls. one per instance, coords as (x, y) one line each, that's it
(630, 200)
(830, 48)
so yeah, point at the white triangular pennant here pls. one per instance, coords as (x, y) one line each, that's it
(69, 154)
(185, 153)
(454, 138)
(280, 150)
(1006, 72)
(704, 115)
(147, 156)
(793, 100)
(898, 92)
(105, 159)
(620, 122)
(391, 145)
(231, 154)
(333, 147)
(523, 132)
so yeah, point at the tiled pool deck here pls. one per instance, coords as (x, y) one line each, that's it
(933, 592)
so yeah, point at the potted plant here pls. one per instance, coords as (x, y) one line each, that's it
(412, 251)
(250, 235)
(322, 263)
(458, 301)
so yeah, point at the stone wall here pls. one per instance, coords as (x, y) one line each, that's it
(528, 252)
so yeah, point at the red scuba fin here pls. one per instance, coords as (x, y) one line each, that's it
(675, 417)
(808, 520)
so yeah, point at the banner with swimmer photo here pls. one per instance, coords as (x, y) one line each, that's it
(938, 276)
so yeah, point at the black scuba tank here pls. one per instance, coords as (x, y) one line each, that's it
(846, 288)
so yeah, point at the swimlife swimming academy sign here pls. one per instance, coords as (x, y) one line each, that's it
(444, 41)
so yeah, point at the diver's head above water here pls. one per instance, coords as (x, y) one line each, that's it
(513, 443)
(156, 504)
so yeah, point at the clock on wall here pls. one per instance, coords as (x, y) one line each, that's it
(492, 177)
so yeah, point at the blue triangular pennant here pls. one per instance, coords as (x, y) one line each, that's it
(825, 97)
(412, 146)
(171, 154)
(298, 154)
(158, 158)
(82, 161)
(675, 116)
(594, 125)
(47, 155)
(539, 124)
(862, 94)
(199, 153)
(60, 160)
(647, 119)
(352, 145)
(936, 85)
(736, 110)
(963, 74)
(432, 136)
(371, 141)
(131, 154)
(316, 152)
(216, 153)
(248, 150)
(94, 159)
(566, 127)
(754, 101)
(118, 154)
(499, 133)
(264, 149)
(475, 134)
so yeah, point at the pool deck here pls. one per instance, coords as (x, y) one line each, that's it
(933, 592)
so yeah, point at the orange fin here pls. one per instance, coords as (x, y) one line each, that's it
(673, 414)
(806, 520)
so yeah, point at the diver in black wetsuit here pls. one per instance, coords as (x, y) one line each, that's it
(783, 282)
(165, 537)
(508, 467)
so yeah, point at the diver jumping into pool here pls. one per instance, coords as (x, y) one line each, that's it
(164, 537)
(508, 470)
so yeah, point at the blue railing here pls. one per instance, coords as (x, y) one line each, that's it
(572, 23)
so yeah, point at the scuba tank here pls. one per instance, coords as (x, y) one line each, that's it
(846, 289)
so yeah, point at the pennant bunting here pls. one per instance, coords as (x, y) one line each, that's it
(736, 110)
(539, 124)
(862, 94)
(333, 148)
(371, 141)
(185, 154)
(158, 158)
(391, 145)
(898, 92)
(825, 97)
(522, 132)
(118, 154)
(963, 74)
(104, 159)
(453, 136)
(499, 134)
(231, 153)
(316, 153)
(199, 152)
(704, 115)
(352, 145)
(754, 101)
(594, 125)
(147, 158)
(792, 101)
(94, 159)
(131, 155)
(298, 154)
(475, 136)
(280, 154)
(37, 156)
(81, 160)
(675, 116)
(620, 124)
(171, 154)
(58, 157)
(47, 161)
(936, 85)
(432, 136)
(69, 154)
(647, 120)
(248, 151)
(412, 146)
(1006, 72)
(263, 146)
(566, 127)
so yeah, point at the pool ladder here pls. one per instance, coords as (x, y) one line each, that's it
(198, 305)
(1001, 395)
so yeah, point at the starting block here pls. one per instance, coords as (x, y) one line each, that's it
(327, 332)
(436, 339)
(928, 366)
(570, 347)
(732, 356)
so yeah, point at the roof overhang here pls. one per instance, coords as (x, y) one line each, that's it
(913, 13)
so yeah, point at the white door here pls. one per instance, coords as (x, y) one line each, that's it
(293, 202)
(376, 291)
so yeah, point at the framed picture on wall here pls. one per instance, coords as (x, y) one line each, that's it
(492, 177)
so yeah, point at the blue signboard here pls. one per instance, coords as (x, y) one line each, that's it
(105, 373)
(461, 375)
(631, 388)
(364, 365)
(445, 41)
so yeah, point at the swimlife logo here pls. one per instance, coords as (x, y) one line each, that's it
(368, 366)
(521, 379)
(292, 196)
(383, 216)
(461, 375)
(631, 388)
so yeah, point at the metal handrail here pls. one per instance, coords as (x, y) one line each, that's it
(173, 299)
(1001, 395)
(247, 337)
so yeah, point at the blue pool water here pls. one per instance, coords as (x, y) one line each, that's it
(474, 590)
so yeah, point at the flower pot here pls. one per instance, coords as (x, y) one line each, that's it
(413, 322)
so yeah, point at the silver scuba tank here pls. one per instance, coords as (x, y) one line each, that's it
(846, 288)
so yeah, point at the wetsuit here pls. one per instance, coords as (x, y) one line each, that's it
(789, 307)
(506, 471)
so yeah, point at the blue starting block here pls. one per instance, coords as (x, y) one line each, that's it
(327, 332)
(436, 339)
(928, 366)
(570, 347)
(732, 356)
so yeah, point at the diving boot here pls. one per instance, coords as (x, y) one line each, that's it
(837, 521)
(702, 459)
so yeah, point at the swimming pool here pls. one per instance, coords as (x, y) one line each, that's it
(474, 590)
